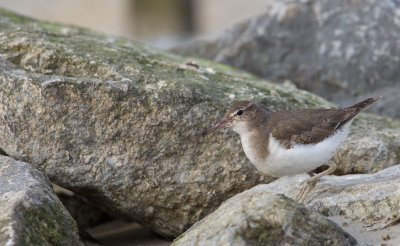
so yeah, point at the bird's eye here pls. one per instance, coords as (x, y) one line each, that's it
(239, 112)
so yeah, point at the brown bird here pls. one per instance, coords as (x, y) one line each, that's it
(293, 141)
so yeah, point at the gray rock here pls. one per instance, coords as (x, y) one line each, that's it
(258, 217)
(363, 203)
(121, 124)
(31, 213)
(341, 50)
(370, 198)
(373, 142)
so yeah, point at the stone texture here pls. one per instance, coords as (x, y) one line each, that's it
(342, 50)
(362, 203)
(121, 124)
(257, 217)
(374, 144)
(31, 213)
(370, 198)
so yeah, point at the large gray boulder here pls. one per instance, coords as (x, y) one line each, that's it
(262, 218)
(342, 50)
(121, 124)
(31, 213)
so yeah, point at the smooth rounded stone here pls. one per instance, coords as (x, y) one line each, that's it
(31, 214)
(121, 124)
(342, 50)
(369, 198)
(258, 217)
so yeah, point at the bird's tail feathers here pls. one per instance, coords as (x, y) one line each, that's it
(364, 104)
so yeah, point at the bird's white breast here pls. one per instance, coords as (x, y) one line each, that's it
(299, 158)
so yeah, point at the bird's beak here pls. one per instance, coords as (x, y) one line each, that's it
(222, 124)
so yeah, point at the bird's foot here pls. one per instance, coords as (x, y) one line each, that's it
(307, 186)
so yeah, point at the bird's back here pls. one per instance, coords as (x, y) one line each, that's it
(308, 126)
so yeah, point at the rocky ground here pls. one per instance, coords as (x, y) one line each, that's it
(120, 126)
(361, 204)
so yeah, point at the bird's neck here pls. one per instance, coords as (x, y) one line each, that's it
(255, 138)
(255, 145)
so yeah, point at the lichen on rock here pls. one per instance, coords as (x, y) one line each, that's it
(31, 213)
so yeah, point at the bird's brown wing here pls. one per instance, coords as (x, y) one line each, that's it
(307, 126)
(312, 125)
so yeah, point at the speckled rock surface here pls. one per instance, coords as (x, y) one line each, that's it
(374, 144)
(31, 213)
(362, 204)
(261, 218)
(371, 198)
(365, 202)
(121, 124)
(343, 50)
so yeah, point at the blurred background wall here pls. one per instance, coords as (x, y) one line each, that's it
(161, 23)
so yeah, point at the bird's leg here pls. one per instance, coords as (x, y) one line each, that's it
(306, 188)
(328, 171)
(312, 181)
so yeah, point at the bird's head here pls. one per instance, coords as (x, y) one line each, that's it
(239, 117)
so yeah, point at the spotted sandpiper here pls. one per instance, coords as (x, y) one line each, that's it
(291, 142)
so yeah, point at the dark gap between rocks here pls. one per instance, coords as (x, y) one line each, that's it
(99, 228)
(2, 152)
